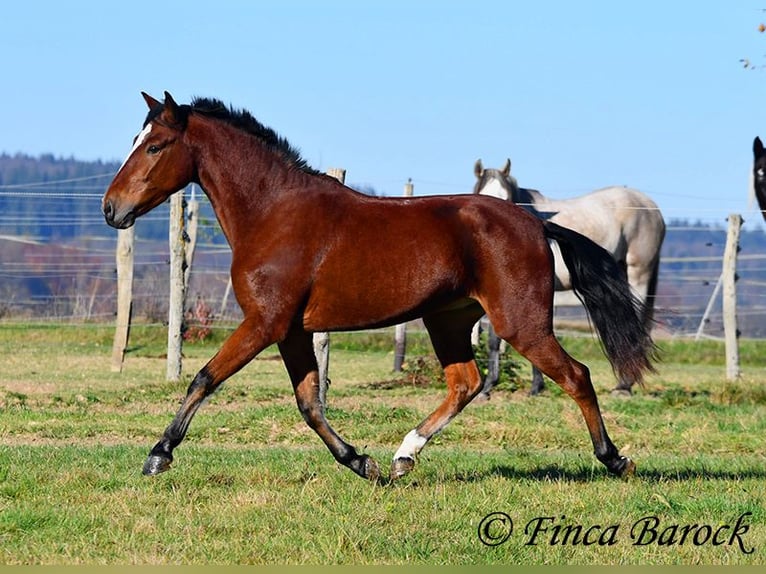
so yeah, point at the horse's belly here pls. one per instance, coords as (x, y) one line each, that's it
(378, 303)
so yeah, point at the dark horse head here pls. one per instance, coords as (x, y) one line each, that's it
(759, 174)
(157, 166)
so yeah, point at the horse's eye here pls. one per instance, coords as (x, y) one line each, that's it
(153, 149)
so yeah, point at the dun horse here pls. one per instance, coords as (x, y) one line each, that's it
(307, 257)
(623, 221)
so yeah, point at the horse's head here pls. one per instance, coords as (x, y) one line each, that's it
(159, 164)
(759, 174)
(495, 182)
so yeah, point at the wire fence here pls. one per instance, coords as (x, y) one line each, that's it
(73, 280)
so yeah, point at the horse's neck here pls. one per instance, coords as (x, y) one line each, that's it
(239, 174)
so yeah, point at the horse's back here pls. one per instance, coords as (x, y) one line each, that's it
(614, 217)
(620, 201)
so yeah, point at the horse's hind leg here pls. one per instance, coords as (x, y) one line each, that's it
(574, 377)
(451, 338)
(298, 355)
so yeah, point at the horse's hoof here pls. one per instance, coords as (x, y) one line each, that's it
(156, 464)
(371, 469)
(628, 469)
(401, 466)
(621, 393)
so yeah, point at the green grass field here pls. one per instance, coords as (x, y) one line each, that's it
(253, 485)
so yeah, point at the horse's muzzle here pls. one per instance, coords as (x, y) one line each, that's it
(121, 220)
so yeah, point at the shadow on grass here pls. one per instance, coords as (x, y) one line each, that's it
(584, 475)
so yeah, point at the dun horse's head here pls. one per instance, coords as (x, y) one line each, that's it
(494, 182)
(158, 165)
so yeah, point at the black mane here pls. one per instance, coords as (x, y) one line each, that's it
(242, 119)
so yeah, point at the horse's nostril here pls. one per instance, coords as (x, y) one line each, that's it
(108, 210)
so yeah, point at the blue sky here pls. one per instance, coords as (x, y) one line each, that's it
(579, 95)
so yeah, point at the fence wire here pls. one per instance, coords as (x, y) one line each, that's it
(73, 278)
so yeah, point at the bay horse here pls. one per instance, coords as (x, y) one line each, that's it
(624, 221)
(310, 254)
(759, 174)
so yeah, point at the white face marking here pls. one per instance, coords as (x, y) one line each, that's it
(494, 189)
(412, 444)
(139, 140)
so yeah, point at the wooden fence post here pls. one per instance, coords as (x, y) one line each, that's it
(400, 332)
(729, 280)
(400, 346)
(124, 257)
(322, 340)
(176, 303)
(225, 298)
(192, 217)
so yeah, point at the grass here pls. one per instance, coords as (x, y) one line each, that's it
(253, 485)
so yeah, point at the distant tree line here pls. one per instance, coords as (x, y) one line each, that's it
(24, 169)
(52, 198)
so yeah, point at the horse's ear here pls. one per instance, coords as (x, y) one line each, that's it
(172, 111)
(150, 101)
(758, 150)
(478, 169)
(170, 105)
(506, 171)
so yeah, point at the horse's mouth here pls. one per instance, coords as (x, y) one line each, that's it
(123, 223)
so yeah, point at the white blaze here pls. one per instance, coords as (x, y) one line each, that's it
(139, 140)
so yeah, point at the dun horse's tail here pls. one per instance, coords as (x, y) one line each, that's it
(618, 315)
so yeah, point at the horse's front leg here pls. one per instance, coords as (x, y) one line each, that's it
(538, 383)
(298, 355)
(239, 349)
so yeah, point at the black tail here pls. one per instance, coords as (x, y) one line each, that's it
(618, 315)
